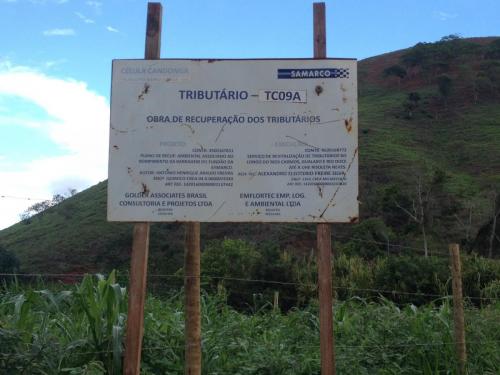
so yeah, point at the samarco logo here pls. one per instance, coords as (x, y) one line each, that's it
(313, 73)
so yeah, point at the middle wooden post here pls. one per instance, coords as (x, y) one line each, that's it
(192, 305)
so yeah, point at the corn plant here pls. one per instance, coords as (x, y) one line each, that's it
(103, 301)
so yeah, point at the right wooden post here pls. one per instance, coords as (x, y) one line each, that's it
(324, 241)
(458, 307)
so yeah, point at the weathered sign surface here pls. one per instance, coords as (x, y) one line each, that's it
(234, 140)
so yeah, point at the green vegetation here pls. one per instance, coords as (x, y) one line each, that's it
(8, 262)
(78, 330)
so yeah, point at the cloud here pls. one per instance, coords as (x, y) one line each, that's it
(112, 29)
(53, 63)
(444, 16)
(96, 5)
(84, 18)
(79, 120)
(59, 32)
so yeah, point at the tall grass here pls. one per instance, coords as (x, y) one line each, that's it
(76, 331)
(79, 330)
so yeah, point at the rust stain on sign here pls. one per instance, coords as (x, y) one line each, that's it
(145, 188)
(220, 132)
(348, 124)
(353, 219)
(320, 191)
(117, 130)
(318, 90)
(189, 127)
(144, 91)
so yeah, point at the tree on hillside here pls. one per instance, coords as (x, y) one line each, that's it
(8, 261)
(411, 104)
(415, 56)
(445, 85)
(432, 59)
(417, 212)
(395, 71)
(371, 238)
(429, 58)
(487, 241)
(495, 212)
(427, 204)
(493, 50)
(490, 69)
(449, 38)
(466, 225)
(40, 207)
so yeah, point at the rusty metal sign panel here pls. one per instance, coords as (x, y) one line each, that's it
(234, 141)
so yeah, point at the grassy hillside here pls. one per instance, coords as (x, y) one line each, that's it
(430, 126)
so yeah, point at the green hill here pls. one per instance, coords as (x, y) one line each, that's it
(429, 170)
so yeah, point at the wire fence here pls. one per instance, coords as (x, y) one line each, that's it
(395, 248)
(5, 196)
(302, 345)
(57, 276)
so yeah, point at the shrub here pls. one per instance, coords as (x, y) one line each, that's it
(353, 277)
(370, 238)
(477, 274)
(416, 279)
(228, 264)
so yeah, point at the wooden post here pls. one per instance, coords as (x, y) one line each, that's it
(192, 307)
(276, 301)
(140, 245)
(136, 299)
(324, 235)
(325, 300)
(458, 307)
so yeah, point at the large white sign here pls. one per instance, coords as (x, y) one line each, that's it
(234, 140)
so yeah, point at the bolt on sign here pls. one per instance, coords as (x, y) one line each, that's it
(234, 141)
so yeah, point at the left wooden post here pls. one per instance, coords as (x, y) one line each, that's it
(140, 245)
